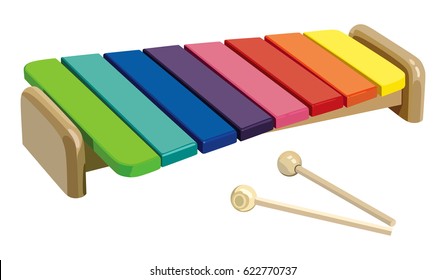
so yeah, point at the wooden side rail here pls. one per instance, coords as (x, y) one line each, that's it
(407, 103)
(58, 145)
(412, 103)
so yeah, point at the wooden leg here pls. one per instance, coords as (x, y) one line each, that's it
(412, 103)
(92, 160)
(56, 143)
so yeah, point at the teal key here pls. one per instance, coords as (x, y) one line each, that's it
(169, 141)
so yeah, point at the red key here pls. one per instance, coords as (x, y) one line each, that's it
(309, 89)
(352, 85)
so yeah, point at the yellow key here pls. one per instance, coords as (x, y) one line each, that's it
(378, 70)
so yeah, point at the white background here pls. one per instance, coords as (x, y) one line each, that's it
(181, 215)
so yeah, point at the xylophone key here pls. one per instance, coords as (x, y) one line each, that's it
(207, 128)
(170, 142)
(245, 116)
(254, 84)
(314, 93)
(387, 76)
(353, 86)
(104, 131)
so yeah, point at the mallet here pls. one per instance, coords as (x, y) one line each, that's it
(290, 164)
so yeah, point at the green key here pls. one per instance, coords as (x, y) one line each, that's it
(103, 131)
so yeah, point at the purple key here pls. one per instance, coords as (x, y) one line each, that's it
(243, 114)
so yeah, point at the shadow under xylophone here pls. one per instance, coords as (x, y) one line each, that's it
(140, 110)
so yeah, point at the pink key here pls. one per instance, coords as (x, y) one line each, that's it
(254, 84)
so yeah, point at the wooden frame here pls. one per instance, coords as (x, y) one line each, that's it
(58, 145)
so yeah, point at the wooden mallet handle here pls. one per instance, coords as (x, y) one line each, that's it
(290, 164)
(244, 198)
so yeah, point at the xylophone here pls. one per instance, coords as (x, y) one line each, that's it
(136, 111)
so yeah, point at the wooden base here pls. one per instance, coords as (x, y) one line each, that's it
(380, 102)
(57, 144)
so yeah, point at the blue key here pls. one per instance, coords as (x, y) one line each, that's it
(206, 127)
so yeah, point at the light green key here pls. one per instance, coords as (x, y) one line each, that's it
(124, 151)
(163, 135)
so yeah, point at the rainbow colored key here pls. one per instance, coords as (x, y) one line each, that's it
(374, 67)
(245, 116)
(206, 127)
(315, 94)
(105, 132)
(353, 86)
(254, 84)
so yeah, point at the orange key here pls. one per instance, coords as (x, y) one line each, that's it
(353, 86)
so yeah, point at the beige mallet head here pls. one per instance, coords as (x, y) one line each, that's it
(287, 163)
(243, 198)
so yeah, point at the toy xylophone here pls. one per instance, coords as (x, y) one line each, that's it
(136, 111)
